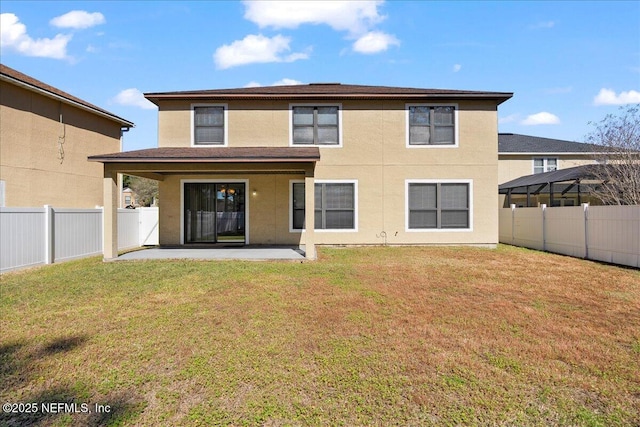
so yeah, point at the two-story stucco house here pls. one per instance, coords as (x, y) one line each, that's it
(46, 135)
(320, 164)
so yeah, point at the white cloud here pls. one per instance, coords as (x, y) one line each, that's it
(281, 82)
(543, 24)
(134, 98)
(287, 82)
(356, 17)
(13, 35)
(508, 119)
(457, 67)
(542, 118)
(609, 97)
(374, 42)
(256, 49)
(78, 19)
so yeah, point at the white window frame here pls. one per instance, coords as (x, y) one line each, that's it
(216, 181)
(545, 164)
(2, 193)
(469, 182)
(334, 104)
(456, 125)
(326, 181)
(225, 113)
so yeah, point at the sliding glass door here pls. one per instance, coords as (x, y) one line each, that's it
(214, 212)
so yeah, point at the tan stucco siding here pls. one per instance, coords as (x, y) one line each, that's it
(511, 167)
(31, 137)
(368, 128)
(381, 206)
(374, 154)
(382, 203)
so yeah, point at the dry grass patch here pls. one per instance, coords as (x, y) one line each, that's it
(364, 336)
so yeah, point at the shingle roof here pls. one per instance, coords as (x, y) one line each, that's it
(16, 77)
(509, 143)
(212, 155)
(329, 91)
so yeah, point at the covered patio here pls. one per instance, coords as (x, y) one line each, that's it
(564, 187)
(218, 198)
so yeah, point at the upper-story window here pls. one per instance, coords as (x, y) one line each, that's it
(545, 164)
(315, 125)
(209, 125)
(431, 125)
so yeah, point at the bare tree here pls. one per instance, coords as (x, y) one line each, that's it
(146, 189)
(619, 137)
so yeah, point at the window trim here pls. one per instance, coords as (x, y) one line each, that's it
(456, 135)
(545, 166)
(225, 118)
(469, 182)
(325, 230)
(312, 104)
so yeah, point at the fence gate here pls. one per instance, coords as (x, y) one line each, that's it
(148, 226)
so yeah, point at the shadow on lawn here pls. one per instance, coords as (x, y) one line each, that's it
(18, 367)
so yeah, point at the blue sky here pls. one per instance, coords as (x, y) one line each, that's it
(568, 63)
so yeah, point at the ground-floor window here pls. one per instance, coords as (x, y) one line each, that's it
(335, 205)
(438, 205)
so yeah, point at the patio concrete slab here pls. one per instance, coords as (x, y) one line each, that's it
(237, 253)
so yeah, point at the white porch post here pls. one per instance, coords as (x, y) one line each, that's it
(110, 214)
(309, 214)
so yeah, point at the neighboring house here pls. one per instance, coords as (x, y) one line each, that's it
(521, 155)
(45, 138)
(327, 164)
(524, 155)
(128, 198)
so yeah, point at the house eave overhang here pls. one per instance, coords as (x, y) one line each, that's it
(499, 98)
(102, 113)
(213, 155)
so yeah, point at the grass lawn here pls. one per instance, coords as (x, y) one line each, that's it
(365, 336)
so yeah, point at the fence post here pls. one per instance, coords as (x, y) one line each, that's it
(49, 235)
(544, 227)
(513, 222)
(585, 206)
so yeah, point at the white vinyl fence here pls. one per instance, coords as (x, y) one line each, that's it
(33, 236)
(601, 233)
